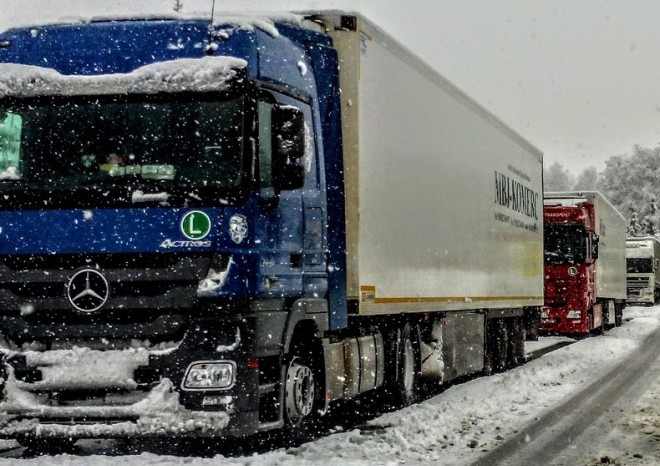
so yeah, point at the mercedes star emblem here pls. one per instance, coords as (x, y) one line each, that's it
(88, 290)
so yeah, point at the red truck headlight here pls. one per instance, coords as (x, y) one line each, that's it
(572, 314)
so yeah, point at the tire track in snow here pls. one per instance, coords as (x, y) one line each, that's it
(547, 437)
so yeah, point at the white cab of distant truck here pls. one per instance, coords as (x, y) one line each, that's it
(643, 270)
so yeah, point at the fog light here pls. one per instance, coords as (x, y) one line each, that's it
(210, 375)
(574, 314)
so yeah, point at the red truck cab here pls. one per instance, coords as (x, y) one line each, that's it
(570, 254)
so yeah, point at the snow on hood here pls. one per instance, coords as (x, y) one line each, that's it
(186, 74)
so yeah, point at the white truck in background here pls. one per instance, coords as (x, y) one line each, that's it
(643, 270)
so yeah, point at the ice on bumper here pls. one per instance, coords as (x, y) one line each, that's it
(121, 412)
(83, 368)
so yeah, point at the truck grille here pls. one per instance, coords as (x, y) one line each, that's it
(638, 282)
(141, 290)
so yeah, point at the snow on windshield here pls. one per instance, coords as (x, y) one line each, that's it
(186, 74)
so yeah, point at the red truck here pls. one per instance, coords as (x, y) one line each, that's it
(585, 263)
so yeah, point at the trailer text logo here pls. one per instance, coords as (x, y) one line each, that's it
(519, 198)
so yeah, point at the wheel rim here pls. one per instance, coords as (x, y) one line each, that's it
(300, 390)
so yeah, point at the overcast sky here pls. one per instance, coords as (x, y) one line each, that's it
(578, 78)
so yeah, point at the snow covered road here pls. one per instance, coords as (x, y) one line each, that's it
(585, 428)
(460, 425)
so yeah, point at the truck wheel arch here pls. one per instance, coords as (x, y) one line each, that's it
(310, 315)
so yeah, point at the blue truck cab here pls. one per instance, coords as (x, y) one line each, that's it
(165, 193)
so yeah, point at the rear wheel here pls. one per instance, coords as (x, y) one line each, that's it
(618, 315)
(517, 342)
(501, 345)
(408, 372)
(404, 376)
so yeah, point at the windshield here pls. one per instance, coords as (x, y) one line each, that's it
(190, 141)
(564, 243)
(639, 265)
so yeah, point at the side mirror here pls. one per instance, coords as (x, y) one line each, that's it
(288, 148)
(594, 246)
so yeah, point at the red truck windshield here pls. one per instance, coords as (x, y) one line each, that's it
(564, 243)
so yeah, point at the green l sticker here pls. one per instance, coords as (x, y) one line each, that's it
(195, 225)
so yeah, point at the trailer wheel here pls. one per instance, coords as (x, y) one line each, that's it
(403, 385)
(516, 350)
(500, 345)
(618, 315)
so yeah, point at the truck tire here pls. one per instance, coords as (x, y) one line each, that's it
(517, 336)
(299, 390)
(402, 389)
(618, 315)
(302, 391)
(500, 346)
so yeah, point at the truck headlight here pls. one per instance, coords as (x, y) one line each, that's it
(574, 314)
(210, 375)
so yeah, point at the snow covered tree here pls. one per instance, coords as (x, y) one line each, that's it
(587, 180)
(632, 184)
(634, 227)
(557, 178)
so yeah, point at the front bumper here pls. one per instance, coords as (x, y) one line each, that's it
(87, 393)
(556, 321)
(158, 414)
(641, 296)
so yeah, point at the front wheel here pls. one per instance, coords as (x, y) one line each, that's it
(299, 392)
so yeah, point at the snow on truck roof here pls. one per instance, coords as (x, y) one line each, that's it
(186, 74)
(249, 22)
